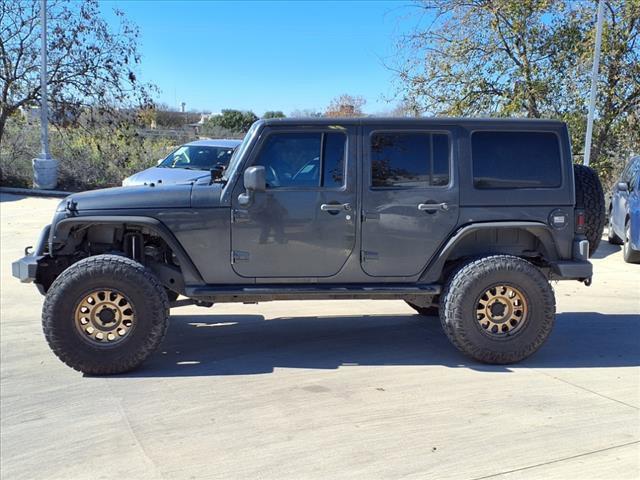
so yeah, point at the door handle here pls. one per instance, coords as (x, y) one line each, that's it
(432, 207)
(335, 207)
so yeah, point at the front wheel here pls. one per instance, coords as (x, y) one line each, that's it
(105, 315)
(498, 309)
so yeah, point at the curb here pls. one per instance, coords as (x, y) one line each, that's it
(32, 192)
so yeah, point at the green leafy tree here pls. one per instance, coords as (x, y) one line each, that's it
(528, 58)
(91, 64)
(233, 120)
(274, 114)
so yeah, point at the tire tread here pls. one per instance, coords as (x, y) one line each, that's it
(113, 266)
(451, 315)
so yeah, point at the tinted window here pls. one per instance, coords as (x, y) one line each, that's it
(303, 159)
(333, 152)
(409, 159)
(629, 169)
(516, 160)
(198, 157)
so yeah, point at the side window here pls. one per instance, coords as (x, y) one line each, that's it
(409, 159)
(516, 160)
(333, 160)
(305, 159)
(635, 181)
(634, 174)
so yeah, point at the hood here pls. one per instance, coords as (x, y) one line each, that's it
(164, 176)
(163, 196)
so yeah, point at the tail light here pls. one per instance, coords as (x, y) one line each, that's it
(581, 221)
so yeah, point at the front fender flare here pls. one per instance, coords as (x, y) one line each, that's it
(60, 232)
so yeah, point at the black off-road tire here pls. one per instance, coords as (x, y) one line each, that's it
(590, 198)
(432, 311)
(611, 235)
(460, 298)
(629, 254)
(145, 293)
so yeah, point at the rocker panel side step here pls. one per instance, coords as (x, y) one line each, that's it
(263, 293)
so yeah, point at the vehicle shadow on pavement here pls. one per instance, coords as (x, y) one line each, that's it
(605, 249)
(206, 345)
(9, 197)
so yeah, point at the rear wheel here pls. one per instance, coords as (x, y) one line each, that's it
(105, 314)
(630, 255)
(590, 198)
(498, 309)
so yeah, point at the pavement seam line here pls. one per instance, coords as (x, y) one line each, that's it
(587, 389)
(124, 415)
(529, 467)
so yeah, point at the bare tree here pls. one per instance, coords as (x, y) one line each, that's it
(91, 65)
(305, 113)
(345, 106)
(527, 58)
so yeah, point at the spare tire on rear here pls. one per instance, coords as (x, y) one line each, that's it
(590, 198)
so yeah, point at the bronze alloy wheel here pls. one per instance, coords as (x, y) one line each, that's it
(104, 317)
(502, 311)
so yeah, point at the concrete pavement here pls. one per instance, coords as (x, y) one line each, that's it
(334, 389)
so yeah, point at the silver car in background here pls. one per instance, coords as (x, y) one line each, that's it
(187, 163)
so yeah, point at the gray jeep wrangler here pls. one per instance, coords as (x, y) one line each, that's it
(468, 219)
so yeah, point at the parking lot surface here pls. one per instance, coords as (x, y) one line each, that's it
(331, 389)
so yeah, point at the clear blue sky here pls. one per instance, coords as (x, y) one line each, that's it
(266, 55)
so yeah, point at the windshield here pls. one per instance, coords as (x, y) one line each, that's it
(239, 153)
(195, 157)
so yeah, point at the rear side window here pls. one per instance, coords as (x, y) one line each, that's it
(409, 159)
(516, 160)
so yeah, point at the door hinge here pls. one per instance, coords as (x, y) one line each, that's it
(239, 256)
(368, 256)
(370, 216)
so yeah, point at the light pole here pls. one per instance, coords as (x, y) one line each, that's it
(594, 84)
(45, 168)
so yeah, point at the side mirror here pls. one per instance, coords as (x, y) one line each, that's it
(623, 187)
(254, 181)
(160, 160)
(216, 172)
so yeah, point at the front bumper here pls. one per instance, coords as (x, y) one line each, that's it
(26, 268)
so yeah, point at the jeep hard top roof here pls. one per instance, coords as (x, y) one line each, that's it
(408, 122)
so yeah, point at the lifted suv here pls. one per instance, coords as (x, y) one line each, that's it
(470, 219)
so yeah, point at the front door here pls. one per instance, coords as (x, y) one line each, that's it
(410, 198)
(303, 225)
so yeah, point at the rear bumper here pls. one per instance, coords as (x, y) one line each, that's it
(572, 270)
(579, 268)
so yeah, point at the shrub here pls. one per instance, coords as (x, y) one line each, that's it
(95, 158)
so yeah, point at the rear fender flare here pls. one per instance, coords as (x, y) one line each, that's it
(540, 230)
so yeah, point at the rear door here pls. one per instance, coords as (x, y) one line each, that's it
(410, 198)
(304, 224)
